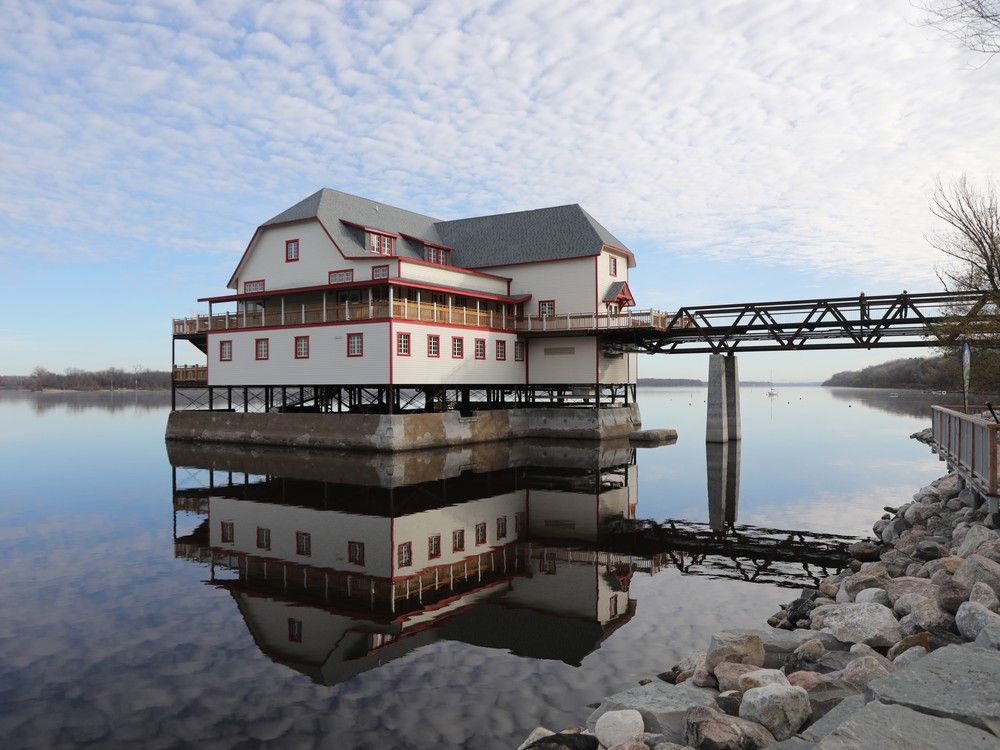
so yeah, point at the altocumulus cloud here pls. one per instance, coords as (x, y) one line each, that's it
(805, 133)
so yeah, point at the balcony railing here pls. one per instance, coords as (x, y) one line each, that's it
(294, 315)
(969, 443)
(191, 373)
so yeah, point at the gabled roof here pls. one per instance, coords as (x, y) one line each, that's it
(619, 292)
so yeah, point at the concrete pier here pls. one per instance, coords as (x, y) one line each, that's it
(723, 463)
(723, 399)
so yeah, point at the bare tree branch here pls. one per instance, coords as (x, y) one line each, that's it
(975, 24)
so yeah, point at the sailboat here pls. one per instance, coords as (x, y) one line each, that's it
(771, 393)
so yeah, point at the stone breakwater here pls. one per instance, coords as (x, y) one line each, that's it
(899, 650)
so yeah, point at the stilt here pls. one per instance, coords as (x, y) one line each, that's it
(723, 422)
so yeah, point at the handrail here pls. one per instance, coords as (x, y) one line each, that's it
(191, 372)
(969, 442)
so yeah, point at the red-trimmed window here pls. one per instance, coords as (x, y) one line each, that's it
(356, 553)
(546, 308)
(262, 348)
(433, 546)
(226, 350)
(519, 351)
(291, 251)
(294, 630)
(301, 347)
(481, 533)
(404, 554)
(433, 346)
(480, 348)
(614, 606)
(253, 286)
(457, 347)
(263, 538)
(380, 272)
(520, 522)
(436, 255)
(458, 540)
(355, 345)
(403, 344)
(228, 532)
(303, 543)
(502, 527)
(612, 265)
(381, 244)
(501, 350)
(341, 277)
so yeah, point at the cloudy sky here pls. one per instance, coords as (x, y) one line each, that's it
(744, 150)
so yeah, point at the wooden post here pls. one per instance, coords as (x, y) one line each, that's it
(370, 308)
(282, 310)
(324, 307)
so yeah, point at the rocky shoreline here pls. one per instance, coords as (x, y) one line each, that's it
(899, 650)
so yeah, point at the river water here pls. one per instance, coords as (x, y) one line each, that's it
(132, 616)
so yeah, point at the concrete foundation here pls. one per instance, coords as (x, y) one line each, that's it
(723, 399)
(401, 432)
(723, 463)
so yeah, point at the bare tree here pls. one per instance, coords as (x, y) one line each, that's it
(974, 23)
(972, 242)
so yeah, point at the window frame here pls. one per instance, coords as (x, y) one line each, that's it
(289, 244)
(377, 242)
(295, 347)
(431, 554)
(294, 630)
(458, 540)
(501, 350)
(360, 338)
(247, 284)
(437, 342)
(359, 558)
(519, 351)
(267, 349)
(303, 541)
(408, 548)
(402, 336)
(479, 345)
(501, 527)
(227, 532)
(437, 256)
(223, 355)
(460, 340)
(481, 527)
(381, 267)
(348, 271)
(612, 266)
(265, 535)
(551, 302)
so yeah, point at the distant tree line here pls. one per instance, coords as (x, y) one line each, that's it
(75, 379)
(942, 373)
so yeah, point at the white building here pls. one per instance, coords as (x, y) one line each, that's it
(344, 293)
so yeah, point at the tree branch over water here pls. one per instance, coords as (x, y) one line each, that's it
(74, 379)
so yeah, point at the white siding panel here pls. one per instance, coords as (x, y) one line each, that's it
(616, 370)
(562, 360)
(328, 362)
(448, 277)
(569, 282)
(419, 368)
(604, 277)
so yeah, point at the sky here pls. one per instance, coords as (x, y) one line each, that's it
(743, 150)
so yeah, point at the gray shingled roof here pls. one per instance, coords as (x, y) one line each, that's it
(482, 241)
(612, 294)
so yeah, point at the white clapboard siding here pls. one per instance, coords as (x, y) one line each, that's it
(450, 277)
(419, 368)
(562, 360)
(570, 283)
(604, 277)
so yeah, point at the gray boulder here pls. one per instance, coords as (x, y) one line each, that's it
(983, 594)
(661, 704)
(951, 594)
(989, 637)
(897, 587)
(614, 727)
(865, 669)
(728, 702)
(928, 549)
(880, 726)
(760, 677)
(778, 643)
(746, 648)
(712, 729)
(974, 537)
(873, 596)
(826, 695)
(971, 618)
(979, 569)
(909, 656)
(871, 624)
(833, 718)
(782, 709)
(728, 674)
(925, 615)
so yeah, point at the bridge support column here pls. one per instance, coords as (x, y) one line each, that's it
(723, 399)
(723, 463)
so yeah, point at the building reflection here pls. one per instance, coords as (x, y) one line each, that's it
(723, 464)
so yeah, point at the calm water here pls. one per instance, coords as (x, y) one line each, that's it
(117, 629)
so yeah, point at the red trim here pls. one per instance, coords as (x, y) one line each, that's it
(456, 326)
(501, 344)
(394, 282)
(261, 228)
(438, 338)
(475, 348)
(380, 278)
(361, 339)
(414, 238)
(356, 562)
(295, 347)
(329, 276)
(629, 257)
(533, 262)
(230, 357)
(256, 349)
(297, 248)
(370, 230)
(462, 347)
(408, 546)
(597, 338)
(545, 302)
(399, 339)
(431, 555)
(252, 281)
(390, 352)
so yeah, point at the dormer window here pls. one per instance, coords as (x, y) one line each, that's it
(291, 251)
(249, 287)
(436, 255)
(380, 244)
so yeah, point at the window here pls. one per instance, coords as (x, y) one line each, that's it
(437, 255)
(480, 348)
(481, 533)
(404, 554)
(380, 272)
(341, 277)
(501, 349)
(356, 553)
(502, 527)
(355, 345)
(546, 308)
(403, 344)
(458, 540)
(294, 630)
(253, 286)
(228, 532)
(612, 265)
(433, 346)
(301, 347)
(291, 251)
(434, 546)
(519, 351)
(262, 348)
(226, 351)
(520, 522)
(380, 244)
(303, 543)
(263, 538)
(457, 347)
(614, 606)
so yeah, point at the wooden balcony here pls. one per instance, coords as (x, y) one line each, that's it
(190, 374)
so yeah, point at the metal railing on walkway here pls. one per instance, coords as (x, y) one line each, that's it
(968, 442)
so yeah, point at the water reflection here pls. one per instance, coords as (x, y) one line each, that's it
(723, 463)
(906, 402)
(78, 401)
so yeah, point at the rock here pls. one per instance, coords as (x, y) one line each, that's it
(833, 718)
(909, 656)
(873, 596)
(536, 734)
(990, 550)
(859, 649)
(826, 695)
(971, 618)
(653, 437)
(872, 624)
(684, 676)
(957, 682)
(711, 729)
(926, 615)
(911, 641)
(635, 744)
(702, 677)
(951, 594)
(865, 669)
(989, 637)
(812, 656)
(897, 587)
(798, 609)
(760, 677)
(778, 644)
(894, 528)
(864, 551)
(805, 680)
(905, 604)
(729, 701)
(614, 727)
(879, 726)
(979, 569)
(690, 662)
(864, 579)
(983, 594)
(940, 639)
(947, 486)
(728, 674)
(974, 537)
(927, 549)
(741, 649)
(661, 704)
(948, 564)
(567, 740)
(782, 709)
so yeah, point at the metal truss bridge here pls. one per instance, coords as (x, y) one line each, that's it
(862, 322)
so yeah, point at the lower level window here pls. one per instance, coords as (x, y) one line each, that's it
(457, 347)
(519, 351)
(434, 546)
(480, 533)
(480, 348)
(356, 553)
(294, 630)
(501, 350)
(502, 527)
(228, 532)
(262, 348)
(301, 347)
(458, 540)
(226, 351)
(355, 344)
(433, 346)
(403, 344)
(520, 522)
(263, 538)
(404, 554)
(303, 543)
